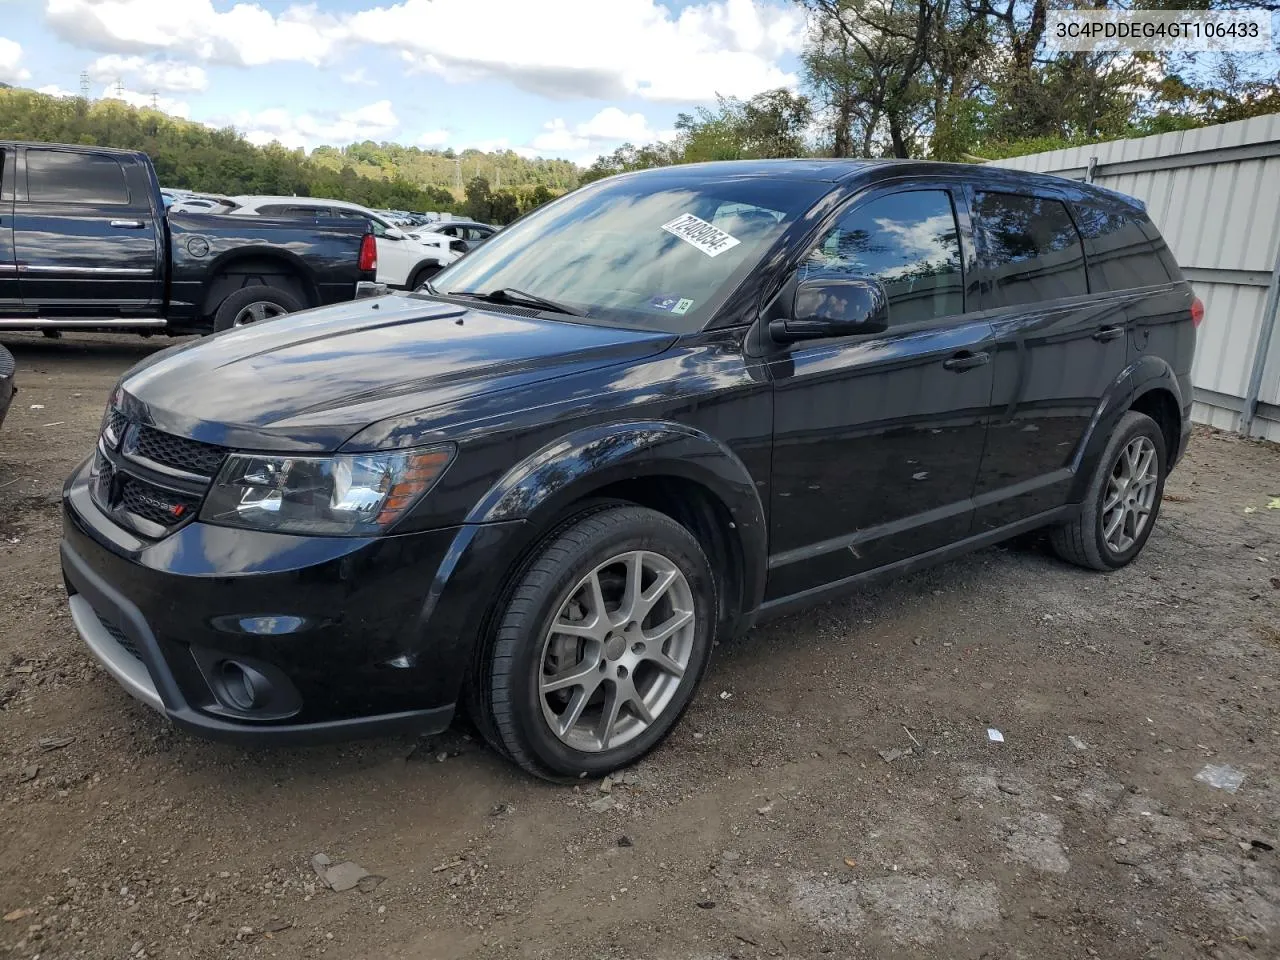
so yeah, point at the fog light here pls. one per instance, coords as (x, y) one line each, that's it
(243, 687)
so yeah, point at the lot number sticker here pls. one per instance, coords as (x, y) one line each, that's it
(694, 230)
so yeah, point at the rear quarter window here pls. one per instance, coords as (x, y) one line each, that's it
(1122, 254)
(1031, 247)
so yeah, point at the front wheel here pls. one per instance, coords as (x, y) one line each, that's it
(1123, 499)
(601, 645)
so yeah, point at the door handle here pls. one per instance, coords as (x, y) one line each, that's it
(1108, 333)
(966, 361)
(127, 224)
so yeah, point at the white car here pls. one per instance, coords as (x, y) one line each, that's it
(404, 262)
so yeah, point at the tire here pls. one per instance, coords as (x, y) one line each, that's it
(276, 302)
(617, 664)
(423, 274)
(1084, 541)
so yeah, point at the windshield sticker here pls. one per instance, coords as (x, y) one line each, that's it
(694, 230)
(682, 307)
(664, 301)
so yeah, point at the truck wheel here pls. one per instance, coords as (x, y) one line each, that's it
(252, 304)
(1123, 500)
(600, 646)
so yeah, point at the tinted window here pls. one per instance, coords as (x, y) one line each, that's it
(907, 241)
(1121, 255)
(294, 211)
(1033, 248)
(57, 177)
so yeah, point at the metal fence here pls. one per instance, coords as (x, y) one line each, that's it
(1215, 195)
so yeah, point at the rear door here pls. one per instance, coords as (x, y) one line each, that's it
(8, 265)
(1060, 345)
(87, 240)
(877, 438)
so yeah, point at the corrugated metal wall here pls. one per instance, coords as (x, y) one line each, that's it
(1215, 195)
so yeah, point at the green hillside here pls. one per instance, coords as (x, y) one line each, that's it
(196, 157)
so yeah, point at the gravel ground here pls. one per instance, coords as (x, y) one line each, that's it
(832, 791)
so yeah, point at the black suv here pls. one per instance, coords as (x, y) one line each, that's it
(643, 417)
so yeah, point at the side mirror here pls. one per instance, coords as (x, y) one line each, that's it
(394, 234)
(834, 307)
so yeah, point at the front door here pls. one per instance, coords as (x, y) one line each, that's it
(8, 265)
(1060, 349)
(877, 438)
(86, 242)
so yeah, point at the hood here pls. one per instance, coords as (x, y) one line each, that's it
(312, 380)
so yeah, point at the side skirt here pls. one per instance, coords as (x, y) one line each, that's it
(789, 604)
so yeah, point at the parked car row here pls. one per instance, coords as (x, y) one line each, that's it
(86, 241)
(405, 261)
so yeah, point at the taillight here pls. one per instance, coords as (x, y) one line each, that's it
(369, 254)
(1197, 311)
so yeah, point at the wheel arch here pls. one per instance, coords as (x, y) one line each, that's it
(669, 467)
(1148, 385)
(230, 271)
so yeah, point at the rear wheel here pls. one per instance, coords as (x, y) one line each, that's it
(599, 649)
(252, 305)
(424, 274)
(1123, 500)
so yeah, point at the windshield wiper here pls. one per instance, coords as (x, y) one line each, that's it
(512, 295)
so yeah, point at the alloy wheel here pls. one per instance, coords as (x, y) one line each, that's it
(1131, 494)
(258, 310)
(616, 650)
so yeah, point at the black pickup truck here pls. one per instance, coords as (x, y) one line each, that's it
(85, 243)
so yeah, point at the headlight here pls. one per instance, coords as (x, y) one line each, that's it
(356, 494)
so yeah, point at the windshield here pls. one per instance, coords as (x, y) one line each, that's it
(657, 252)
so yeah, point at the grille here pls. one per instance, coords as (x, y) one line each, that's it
(156, 504)
(177, 452)
(114, 428)
(119, 636)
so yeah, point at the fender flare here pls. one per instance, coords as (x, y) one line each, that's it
(546, 483)
(1145, 374)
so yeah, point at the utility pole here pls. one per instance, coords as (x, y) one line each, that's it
(457, 173)
(119, 88)
(155, 100)
(84, 84)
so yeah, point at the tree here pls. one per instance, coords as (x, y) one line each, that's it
(769, 125)
(504, 207)
(479, 205)
(874, 53)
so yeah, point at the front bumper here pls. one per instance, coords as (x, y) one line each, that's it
(344, 637)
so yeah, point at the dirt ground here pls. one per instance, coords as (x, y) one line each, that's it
(770, 824)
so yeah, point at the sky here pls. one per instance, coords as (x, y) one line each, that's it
(554, 78)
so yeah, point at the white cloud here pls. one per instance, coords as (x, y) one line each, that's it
(358, 78)
(246, 34)
(168, 75)
(375, 121)
(569, 48)
(558, 48)
(53, 90)
(433, 138)
(610, 125)
(11, 69)
(137, 98)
